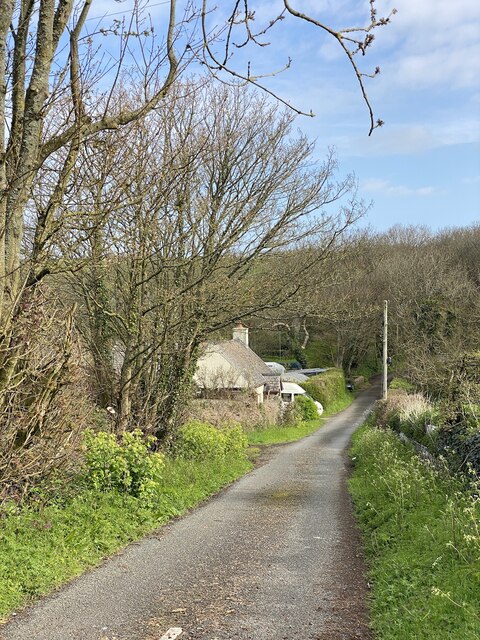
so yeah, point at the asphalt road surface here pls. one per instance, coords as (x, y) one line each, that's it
(273, 557)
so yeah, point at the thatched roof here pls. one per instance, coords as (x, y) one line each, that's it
(247, 363)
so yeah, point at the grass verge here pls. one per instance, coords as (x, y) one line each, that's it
(339, 404)
(278, 435)
(422, 538)
(42, 548)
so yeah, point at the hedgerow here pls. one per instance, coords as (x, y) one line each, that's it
(329, 388)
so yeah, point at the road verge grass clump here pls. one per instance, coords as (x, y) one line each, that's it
(411, 414)
(124, 492)
(422, 538)
(287, 433)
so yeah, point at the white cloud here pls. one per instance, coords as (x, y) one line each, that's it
(457, 66)
(384, 187)
(408, 139)
(433, 43)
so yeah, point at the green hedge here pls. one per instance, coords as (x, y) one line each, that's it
(328, 387)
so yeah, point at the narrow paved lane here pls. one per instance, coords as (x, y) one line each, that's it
(273, 557)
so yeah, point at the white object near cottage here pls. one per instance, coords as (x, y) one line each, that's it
(276, 367)
(291, 390)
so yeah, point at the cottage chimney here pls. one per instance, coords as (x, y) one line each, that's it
(241, 333)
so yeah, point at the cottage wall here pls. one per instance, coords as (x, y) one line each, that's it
(215, 372)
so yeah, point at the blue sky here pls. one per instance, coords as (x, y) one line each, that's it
(423, 166)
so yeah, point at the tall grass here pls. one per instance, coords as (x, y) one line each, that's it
(422, 537)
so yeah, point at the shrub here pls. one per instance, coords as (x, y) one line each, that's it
(327, 388)
(236, 440)
(410, 413)
(403, 384)
(126, 465)
(198, 440)
(292, 415)
(307, 408)
(44, 398)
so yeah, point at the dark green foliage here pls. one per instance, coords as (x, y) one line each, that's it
(367, 368)
(306, 408)
(328, 387)
(460, 446)
(318, 352)
(300, 356)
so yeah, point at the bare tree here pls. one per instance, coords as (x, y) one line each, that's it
(62, 74)
(212, 191)
(52, 72)
(55, 94)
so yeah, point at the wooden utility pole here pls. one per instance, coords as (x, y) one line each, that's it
(385, 349)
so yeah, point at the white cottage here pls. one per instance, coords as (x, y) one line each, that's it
(232, 365)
